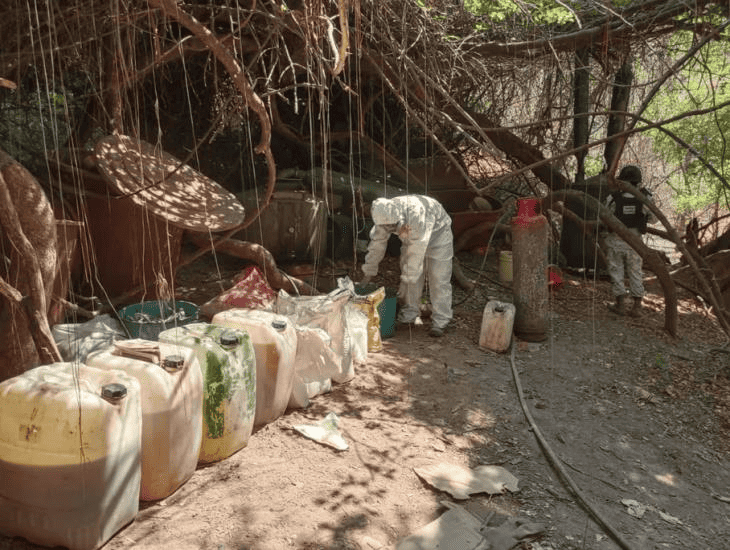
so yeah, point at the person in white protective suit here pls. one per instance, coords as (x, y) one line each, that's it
(424, 228)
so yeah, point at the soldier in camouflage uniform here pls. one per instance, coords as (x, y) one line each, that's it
(622, 259)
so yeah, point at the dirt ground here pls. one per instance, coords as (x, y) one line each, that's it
(629, 412)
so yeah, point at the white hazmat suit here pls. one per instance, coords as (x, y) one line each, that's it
(424, 228)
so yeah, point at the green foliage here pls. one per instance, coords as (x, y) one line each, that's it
(546, 12)
(537, 12)
(593, 164)
(702, 83)
(496, 10)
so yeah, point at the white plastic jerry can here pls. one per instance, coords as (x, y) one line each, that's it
(228, 364)
(70, 444)
(497, 323)
(275, 346)
(172, 401)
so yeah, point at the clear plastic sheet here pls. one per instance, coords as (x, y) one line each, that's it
(77, 340)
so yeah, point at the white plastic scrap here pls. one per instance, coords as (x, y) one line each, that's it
(636, 509)
(668, 518)
(461, 482)
(459, 529)
(325, 431)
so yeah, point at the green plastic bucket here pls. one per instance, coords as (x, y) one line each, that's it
(143, 320)
(386, 308)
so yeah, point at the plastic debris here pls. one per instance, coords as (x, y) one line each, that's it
(458, 529)
(460, 482)
(634, 508)
(637, 509)
(325, 431)
(666, 517)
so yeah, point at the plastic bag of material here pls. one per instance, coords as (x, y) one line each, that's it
(315, 365)
(77, 340)
(357, 322)
(328, 313)
(369, 303)
(250, 290)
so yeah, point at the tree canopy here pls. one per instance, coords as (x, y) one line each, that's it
(393, 75)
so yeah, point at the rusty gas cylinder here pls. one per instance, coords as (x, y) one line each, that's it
(529, 271)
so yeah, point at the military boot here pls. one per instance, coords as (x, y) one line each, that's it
(618, 307)
(636, 308)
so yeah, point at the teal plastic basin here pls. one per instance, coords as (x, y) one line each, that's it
(143, 320)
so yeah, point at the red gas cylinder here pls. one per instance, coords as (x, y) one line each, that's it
(529, 271)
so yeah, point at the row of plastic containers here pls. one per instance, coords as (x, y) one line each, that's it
(82, 443)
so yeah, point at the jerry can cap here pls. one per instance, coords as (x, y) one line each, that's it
(113, 392)
(278, 325)
(228, 338)
(173, 363)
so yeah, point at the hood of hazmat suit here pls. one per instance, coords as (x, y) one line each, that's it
(385, 212)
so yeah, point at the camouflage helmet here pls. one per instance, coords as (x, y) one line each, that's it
(630, 173)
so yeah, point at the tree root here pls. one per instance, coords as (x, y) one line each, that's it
(256, 253)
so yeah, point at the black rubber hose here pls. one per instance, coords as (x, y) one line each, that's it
(555, 462)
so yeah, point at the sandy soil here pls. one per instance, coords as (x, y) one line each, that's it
(629, 412)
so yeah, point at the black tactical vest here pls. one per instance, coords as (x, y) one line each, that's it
(630, 211)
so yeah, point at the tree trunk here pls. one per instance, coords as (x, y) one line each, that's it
(29, 241)
(581, 106)
(258, 254)
(617, 122)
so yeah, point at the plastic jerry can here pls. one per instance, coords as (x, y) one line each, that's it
(70, 444)
(274, 342)
(172, 403)
(497, 323)
(228, 365)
